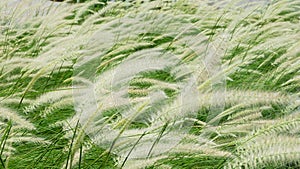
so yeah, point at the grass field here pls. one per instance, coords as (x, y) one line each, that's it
(184, 84)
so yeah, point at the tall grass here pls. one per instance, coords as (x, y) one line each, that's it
(149, 84)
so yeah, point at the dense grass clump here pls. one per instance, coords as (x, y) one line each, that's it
(149, 84)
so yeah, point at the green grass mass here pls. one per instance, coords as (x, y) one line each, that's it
(185, 84)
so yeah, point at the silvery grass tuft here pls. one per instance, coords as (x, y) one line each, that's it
(149, 84)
